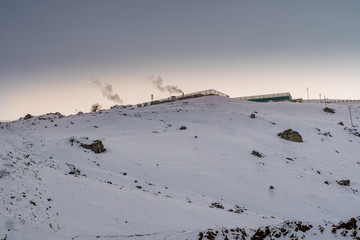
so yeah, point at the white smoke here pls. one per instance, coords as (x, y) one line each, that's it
(159, 84)
(107, 91)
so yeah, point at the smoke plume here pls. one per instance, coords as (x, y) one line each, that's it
(159, 84)
(107, 91)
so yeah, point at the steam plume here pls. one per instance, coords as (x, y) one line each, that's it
(107, 91)
(159, 82)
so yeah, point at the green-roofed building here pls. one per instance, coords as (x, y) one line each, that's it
(268, 97)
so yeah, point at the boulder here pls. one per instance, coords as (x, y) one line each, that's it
(329, 110)
(97, 146)
(344, 182)
(291, 135)
(27, 116)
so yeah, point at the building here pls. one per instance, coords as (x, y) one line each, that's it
(268, 97)
(209, 92)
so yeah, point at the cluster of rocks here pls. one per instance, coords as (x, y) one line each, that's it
(73, 170)
(216, 205)
(352, 131)
(294, 230)
(48, 116)
(237, 209)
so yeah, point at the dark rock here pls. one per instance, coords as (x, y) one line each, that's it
(271, 187)
(351, 224)
(341, 123)
(291, 135)
(257, 154)
(182, 128)
(216, 205)
(27, 116)
(4, 173)
(344, 182)
(73, 170)
(252, 115)
(97, 146)
(329, 110)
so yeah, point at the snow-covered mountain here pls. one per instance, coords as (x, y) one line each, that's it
(175, 170)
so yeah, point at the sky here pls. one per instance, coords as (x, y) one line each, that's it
(53, 52)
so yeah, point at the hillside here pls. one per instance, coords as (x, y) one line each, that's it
(155, 181)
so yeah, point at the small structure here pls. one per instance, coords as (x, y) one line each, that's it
(268, 97)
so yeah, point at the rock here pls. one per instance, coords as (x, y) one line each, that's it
(97, 146)
(182, 128)
(257, 154)
(27, 116)
(291, 135)
(329, 110)
(344, 182)
(252, 115)
(73, 169)
(216, 205)
(341, 123)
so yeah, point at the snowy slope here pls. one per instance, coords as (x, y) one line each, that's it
(156, 181)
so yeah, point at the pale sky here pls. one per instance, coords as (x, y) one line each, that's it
(51, 51)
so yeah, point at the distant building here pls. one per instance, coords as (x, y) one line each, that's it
(209, 92)
(268, 97)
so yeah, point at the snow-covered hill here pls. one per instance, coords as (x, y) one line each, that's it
(155, 181)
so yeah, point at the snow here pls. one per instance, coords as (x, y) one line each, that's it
(157, 182)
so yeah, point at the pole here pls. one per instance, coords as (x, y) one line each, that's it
(307, 90)
(350, 117)
(320, 97)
